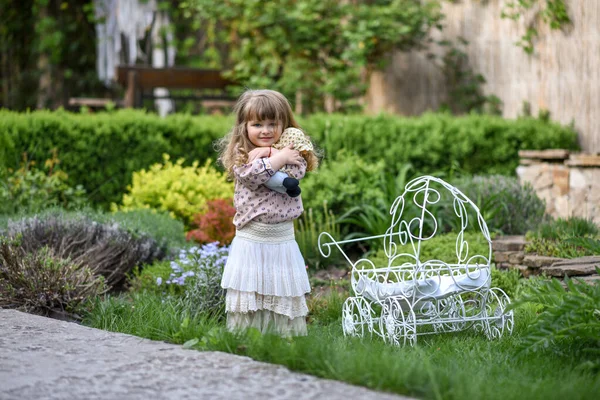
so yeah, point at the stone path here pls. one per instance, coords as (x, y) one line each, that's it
(43, 358)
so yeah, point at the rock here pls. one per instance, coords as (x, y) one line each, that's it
(579, 260)
(562, 207)
(574, 267)
(509, 243)
(502, 265)
(583, 160)
(529, 161)
(544, 180)
(529, 173)
(551, 154)
(501, 256)
(590, 279)
(533, 261)
(516, 257)
(577, 180)
(560, 176)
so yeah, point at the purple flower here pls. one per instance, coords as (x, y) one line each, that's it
(199, 262)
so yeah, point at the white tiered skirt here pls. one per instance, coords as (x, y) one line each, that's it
(266, 280)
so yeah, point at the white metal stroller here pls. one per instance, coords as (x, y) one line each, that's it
(413, 296)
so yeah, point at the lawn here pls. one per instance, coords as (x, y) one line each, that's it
(463, 365)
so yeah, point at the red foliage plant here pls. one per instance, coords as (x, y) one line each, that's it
(216, 224)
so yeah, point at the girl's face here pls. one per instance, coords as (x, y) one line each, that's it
(264, 133)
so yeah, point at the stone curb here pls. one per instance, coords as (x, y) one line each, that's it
(43, 358)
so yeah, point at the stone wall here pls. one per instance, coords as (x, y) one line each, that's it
(568, 183)
(509, 253)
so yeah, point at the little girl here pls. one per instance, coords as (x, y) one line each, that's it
(265, 275)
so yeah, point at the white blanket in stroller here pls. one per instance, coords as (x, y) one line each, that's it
(437, 287)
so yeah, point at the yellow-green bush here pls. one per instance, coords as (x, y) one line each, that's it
(182, 191)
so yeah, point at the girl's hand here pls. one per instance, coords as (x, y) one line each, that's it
(287, 155)
(259, 152)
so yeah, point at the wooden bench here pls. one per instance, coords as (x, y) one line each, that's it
(140, 81)
(93, 103)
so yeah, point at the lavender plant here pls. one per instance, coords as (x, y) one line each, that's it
(199, 270)
(106, 248)
(506, 205)
(41, 282)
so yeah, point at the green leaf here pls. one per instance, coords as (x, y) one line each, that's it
(191, 343)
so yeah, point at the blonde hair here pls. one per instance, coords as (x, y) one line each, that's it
(257, 105)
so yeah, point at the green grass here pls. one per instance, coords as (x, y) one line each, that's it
(448, 366)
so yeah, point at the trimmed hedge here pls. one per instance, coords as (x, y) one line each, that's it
(101, 151)
(478, 144)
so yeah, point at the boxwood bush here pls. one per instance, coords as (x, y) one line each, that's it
(101, 151)
(478, 144)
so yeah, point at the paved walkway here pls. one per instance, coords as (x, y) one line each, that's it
(43, 358)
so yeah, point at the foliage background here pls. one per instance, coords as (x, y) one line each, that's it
(101, 151)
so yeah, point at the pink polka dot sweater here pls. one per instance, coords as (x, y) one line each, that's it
(254, 201)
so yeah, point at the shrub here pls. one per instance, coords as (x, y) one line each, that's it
(441, 247)
(478, 144)
(510, 281)
(106, 248)
(506, 206)
(193, 278)
(216, 224)
(565, 238)
(130, 140)
(373, 218)
(102, 150)
(40, 282)
(327, 309)
(29, 189)
(150, 277)
(567, 316)
(343, 183)
(182, 191)
(561, 228)
(366, 220)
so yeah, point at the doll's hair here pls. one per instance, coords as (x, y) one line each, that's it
(256, 105)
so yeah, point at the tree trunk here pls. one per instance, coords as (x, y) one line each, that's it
(43, 65)
(329, 103)
(5, 79)
(375, 98)
(298, 105)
